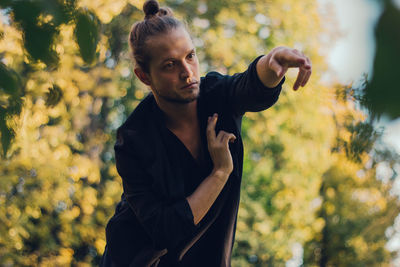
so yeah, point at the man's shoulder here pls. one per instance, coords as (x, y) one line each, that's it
(211, 80)
(137, 128)
(141, 115)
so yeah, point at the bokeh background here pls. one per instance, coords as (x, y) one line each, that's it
(320, 186)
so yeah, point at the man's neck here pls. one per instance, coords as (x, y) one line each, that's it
(178, 116)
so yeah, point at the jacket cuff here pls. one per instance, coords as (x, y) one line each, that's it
(259, 83)
(185, 212)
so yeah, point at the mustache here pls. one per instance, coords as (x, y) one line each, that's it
(191, 82)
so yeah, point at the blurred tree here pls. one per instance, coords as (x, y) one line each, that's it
(382, 94)
(39, 22)
(59, 185)
(10, 104)
(356, 207)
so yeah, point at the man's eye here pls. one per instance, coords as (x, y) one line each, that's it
(192, 55)
(169, 65)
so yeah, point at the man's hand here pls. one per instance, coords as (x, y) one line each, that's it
(218, 147)
(272, 67)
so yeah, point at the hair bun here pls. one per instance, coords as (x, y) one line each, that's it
(150, 8)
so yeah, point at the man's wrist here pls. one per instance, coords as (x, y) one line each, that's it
(221, 175)
(266, 75)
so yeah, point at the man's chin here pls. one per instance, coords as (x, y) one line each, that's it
(187, 100)
(181, 99)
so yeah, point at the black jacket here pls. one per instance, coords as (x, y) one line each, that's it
(154, 217)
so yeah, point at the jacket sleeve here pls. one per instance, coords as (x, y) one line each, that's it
(166, 222)
(242, 92)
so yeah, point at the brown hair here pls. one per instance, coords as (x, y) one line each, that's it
(156, 21)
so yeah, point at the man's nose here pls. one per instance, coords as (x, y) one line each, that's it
(186, 72)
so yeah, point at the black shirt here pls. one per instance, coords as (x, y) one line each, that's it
(153, 224)
(194, 171)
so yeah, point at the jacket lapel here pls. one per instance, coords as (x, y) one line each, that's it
(165, 180)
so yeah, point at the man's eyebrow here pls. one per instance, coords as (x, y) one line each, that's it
(193, 50)
(168, 59)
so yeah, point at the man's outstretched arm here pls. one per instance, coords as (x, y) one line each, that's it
(272, 67)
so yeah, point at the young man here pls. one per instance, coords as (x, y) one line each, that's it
(180, 153)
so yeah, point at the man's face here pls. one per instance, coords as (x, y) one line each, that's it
(174, 68)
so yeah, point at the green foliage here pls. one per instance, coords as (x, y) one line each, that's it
(53, 97)
(9, 81)
(39, 23)
(7, 133)
(87, 36)
(10, 104)
(357, 210)
(362, 139)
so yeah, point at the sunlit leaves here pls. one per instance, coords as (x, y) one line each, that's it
(357, 209)
(52, 181)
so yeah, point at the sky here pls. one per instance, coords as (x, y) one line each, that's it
(352, 54)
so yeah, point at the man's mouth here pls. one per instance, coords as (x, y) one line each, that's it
(190, 85)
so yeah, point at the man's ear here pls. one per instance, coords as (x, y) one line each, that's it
(143, 76)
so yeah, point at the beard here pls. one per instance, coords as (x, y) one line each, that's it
(179, 100)
(176, 98)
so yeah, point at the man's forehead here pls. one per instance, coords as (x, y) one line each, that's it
(170, 45)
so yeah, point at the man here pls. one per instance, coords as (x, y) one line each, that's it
(180, 153)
